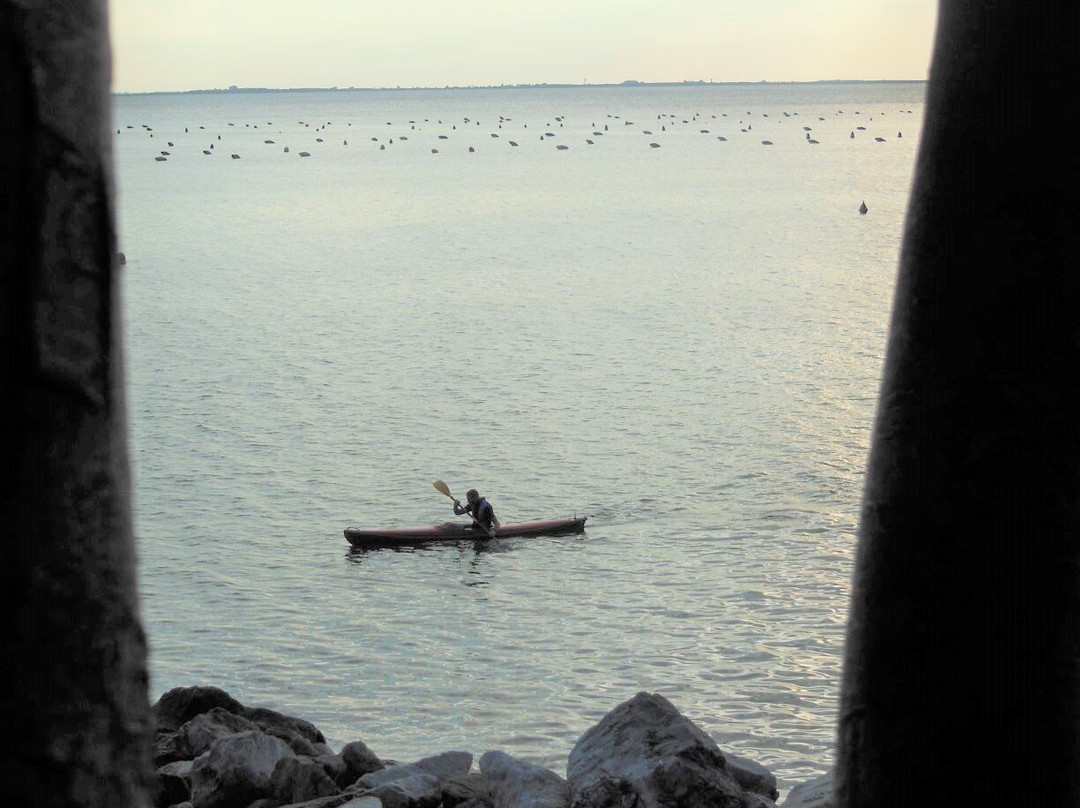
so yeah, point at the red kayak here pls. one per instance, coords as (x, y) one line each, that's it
(459, 531)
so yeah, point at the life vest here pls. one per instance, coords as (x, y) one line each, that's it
(483, 512)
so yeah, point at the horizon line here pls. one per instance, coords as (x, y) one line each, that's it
(630, 83)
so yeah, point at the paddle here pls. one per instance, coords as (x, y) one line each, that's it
(443, 488)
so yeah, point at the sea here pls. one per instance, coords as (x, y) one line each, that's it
(659, 307)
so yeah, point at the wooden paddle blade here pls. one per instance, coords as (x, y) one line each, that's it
(443, 488)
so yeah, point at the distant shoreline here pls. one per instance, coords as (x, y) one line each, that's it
(623, 84)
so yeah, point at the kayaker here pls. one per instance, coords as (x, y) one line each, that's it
(480, 510)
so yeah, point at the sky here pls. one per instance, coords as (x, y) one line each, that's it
(165, 45)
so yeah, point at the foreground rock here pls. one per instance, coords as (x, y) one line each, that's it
(466, 791)
(181, 704)
(815, 793)
(299, 779)
(414, 785)
(645, 753)
(196, 736)
(359, 760)
(236, 769)
(752, 776)
(515, 784)
(213, 752)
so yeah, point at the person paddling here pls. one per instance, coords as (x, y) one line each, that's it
(480, 510)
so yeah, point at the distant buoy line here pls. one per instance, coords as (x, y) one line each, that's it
(731, 132)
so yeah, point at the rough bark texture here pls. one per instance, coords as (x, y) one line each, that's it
(73, 685)
(964, 637)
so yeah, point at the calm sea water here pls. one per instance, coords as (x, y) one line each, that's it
(682, 342)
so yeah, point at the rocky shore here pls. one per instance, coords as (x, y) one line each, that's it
(213, 752)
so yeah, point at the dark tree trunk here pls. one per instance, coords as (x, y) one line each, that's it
(73, 700)
(964, 636)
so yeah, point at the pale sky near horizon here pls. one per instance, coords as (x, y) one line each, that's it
(205, 44)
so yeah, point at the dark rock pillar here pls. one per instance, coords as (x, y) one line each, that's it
(962, 674)
(73, 701)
